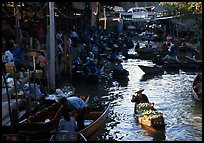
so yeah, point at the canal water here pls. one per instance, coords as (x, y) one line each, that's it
(171, 94)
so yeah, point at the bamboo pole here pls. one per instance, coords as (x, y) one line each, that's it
(29, 98)
(9, 104)
(34, 79)
(70, 63)
(16, 95)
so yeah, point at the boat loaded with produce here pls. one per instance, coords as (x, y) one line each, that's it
(145, 112)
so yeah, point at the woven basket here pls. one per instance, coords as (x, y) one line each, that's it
(9, 68)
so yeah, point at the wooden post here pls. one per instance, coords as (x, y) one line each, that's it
(70, 62)
(52, 47)
(65, 55)
(105, 18)
(18, 30)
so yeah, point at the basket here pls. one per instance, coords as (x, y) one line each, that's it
(9, 68)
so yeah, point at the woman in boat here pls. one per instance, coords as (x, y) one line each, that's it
(140, 98)
(67, 123)
(74, 103)
(198, 86)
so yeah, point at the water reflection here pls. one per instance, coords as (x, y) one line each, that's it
(172, 94)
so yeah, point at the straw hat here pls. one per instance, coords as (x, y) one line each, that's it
(139, 91)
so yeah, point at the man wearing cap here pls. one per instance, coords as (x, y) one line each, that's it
(77, 104)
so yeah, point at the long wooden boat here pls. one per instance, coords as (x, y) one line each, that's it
(197, 60)
(38, 126)
(186, 62)
(197, 87)
(98, 117)
(171, 64)
(146, 114)
(14, 137)
(92, 78)
(151, 69)
(93, 120)
(120, 74)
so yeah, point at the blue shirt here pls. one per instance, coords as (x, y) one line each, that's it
(76, 102)
(17, 55)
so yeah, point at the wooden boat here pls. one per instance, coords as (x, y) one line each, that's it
(146, 77)
(38, 126)
(171, 64)
(98, 117)
(197, 87)
(14, 137)
(198, 60)
(146, 114)
(151, 118)
(67, 136)
(151, 69)
(187, 63)
(92, 78)
(93, 120)
(120, 74)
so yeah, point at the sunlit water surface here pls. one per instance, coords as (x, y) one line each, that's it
(171, 93)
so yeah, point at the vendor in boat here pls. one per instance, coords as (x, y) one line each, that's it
(118, 66)
(67, 123)
(198, 86)
(139, 97)
(74, 103)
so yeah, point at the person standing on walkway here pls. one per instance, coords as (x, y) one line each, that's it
(74, 37)
(42, 61)
(18, 57)
(8, 53)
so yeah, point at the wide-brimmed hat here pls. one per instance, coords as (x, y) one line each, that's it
(139, 91)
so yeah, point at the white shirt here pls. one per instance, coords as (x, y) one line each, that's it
(69, 126)
(9, 57)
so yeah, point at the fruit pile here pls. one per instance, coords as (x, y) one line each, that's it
(147, 111)
(67, 90)
(145, 106)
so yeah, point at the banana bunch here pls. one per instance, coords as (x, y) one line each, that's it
(152, 112)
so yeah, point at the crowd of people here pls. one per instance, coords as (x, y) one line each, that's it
(91, 49)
